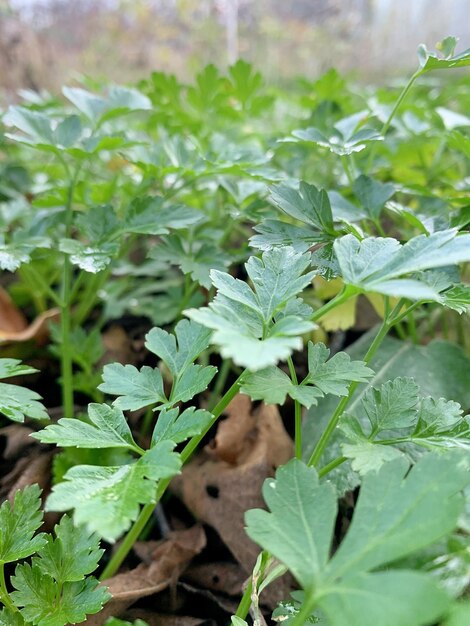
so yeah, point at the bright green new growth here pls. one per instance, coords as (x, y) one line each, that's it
(107, 499)
(324, 376)
(139, 388)
(398, 513)
(395, 415)
(54, 588)
(259, 326)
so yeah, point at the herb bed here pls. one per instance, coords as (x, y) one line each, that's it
(253, 304)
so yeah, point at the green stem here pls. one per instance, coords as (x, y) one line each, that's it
(297, 412)
(219, 383)
(345, 294)
(412, 328)
(65, 348)
(329, 467)
(347, 170)
(146, 513)
(245, 603)
(89, 296)
(387, 123)
(4, 595)
(332, 424)
(40, 280)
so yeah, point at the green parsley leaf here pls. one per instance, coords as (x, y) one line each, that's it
(17, 402)
(325, 377)
(398, 513)
(150, 216)
(372, 194)
(108, 499)
(334, 375)
(242, 318)
(367, 456)
(18, 523)
(36, 594)
(379, 264)
(178, 351)
(10, 618)
(309, 205)
(431, 61)
(135, 388)
(108, 429)
(14, 367)
(175, 427)
(72, 555)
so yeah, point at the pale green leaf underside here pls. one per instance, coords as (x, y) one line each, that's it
(381, 264)
(17, 402)
(108, 499)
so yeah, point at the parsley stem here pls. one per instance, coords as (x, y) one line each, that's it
(393, 112)
(329, 467)
(297, 412)
(347, 170)
(4, 595)
(65, 313)
(245, 603)
(386, 325)
(220, 381)
(146, 512)
(345, 294)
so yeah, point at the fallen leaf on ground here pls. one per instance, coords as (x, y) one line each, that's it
(221, 577)
(169, 558)
(36, 330)
(37, 470)
(225, 479)
(16, 440)
(11, 318)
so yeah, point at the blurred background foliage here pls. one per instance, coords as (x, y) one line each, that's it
(46, 43)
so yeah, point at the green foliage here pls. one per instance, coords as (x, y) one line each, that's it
(54, 588)
(17, 402)
(380, 264)
(19, 524)
(324, 377)
(108, 499)
(142, 203)
(397, 514)
(260, 326)
(139, 388)
(108, 429)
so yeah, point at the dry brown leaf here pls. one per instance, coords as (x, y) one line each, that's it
(225, 480)
(221, 577)
(215, 604)
(16, 439)
(37, 470)
(11, 318)
(118, 346)
(169, 558)
(36, 330)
